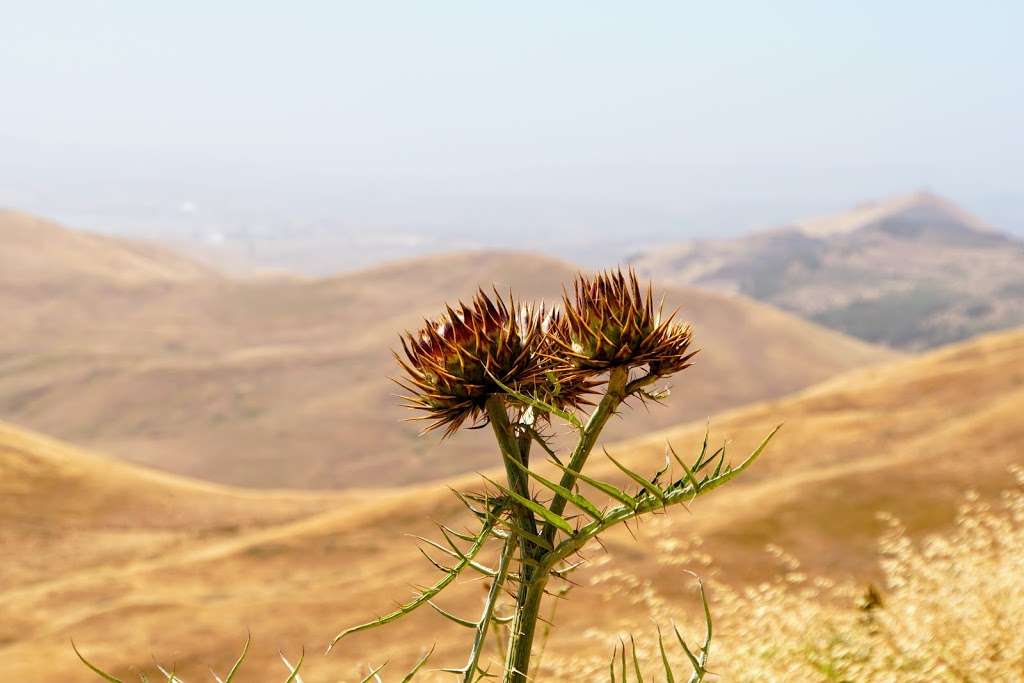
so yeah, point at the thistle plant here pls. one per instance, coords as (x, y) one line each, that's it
(515, 369)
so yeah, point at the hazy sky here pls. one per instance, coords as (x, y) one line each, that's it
(702, 114)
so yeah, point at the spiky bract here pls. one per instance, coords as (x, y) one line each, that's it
(610, 322)
(452, 362)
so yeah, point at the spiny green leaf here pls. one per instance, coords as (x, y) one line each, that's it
(647, 485)
(443, 569)
(604, 487)
(451, 617)
(734, 472)
(538, 540)
(426, 595)
(534, 506)
(469, 538)
(656, 479)
(704, 446)
(689, 473)
(574, 498)
(484, 623)
(419, 665)
(543, 444)
(721, 461)
(537, 403)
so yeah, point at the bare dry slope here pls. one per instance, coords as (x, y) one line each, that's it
(910, 437)
(38, 252)
(66, 509)
(284, 381)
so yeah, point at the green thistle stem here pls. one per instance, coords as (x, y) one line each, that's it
(531, 584)
(524, 626)
(509, 445)
(614, 394)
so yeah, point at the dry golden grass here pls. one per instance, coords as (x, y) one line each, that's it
(908, 438)
(283, 382)
(948, 608)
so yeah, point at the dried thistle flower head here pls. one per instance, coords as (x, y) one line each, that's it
(609, 322)
(451, 363)
(550, 383)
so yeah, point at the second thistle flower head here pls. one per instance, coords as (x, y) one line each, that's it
(451, 362)
(609, 322)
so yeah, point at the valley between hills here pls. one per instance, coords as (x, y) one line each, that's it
(283, 382)
(133, 563)
(240, 463)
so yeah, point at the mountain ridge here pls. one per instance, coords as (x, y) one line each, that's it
(910, 272)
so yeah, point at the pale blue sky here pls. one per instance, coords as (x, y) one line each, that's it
(709, 115)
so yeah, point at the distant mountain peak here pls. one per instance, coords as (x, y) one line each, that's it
(910, 271)
(922, 205)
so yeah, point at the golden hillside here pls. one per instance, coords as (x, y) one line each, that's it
(283, 382)
(38, 253)
(910, 437)
(70, 509)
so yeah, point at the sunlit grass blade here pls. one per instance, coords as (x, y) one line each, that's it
(171, 676)
(102, 674)
(669, 678)
(636, 662)
(238, 662)
(294, 676)
(374, 674)
(698, 670)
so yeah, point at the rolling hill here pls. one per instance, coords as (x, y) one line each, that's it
(68, 509)
(909, 437)
(38, 252)
(283, 381)
(912, 271)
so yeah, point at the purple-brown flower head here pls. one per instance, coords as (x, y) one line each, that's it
(452, 362)
(551, 384)
(609, 322)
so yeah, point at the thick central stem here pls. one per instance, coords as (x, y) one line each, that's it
(509, 445)
(534, 577)
(524, 626)
(531, 584)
